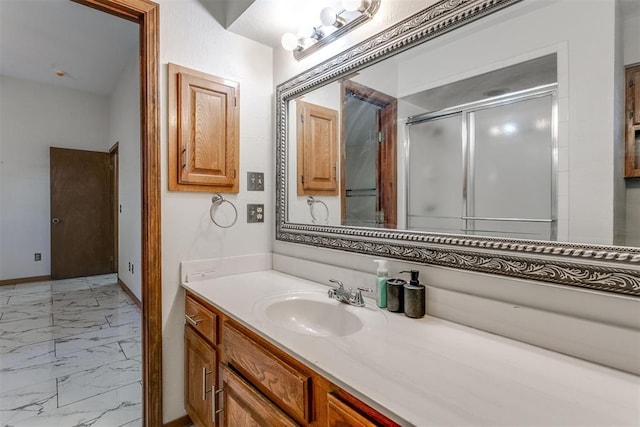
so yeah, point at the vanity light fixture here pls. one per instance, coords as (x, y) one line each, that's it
(333, 24)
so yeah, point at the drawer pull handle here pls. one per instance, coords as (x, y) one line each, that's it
(204, 382)
(191, 320)
(215, 412)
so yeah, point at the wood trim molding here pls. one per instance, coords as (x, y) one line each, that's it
(183, 421)
(147, 14)
(129, 292)
(19, 280)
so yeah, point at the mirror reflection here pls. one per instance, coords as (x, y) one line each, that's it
(506, 129)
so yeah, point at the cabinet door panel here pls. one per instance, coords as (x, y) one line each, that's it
(317, 149)
(200, 377)
(203, 131)
(243, 405)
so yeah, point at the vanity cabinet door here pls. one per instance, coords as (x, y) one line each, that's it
(243, 405)
(200, 377)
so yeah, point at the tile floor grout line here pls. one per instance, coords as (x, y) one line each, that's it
(100, 394)
(57, 395)
(114, 307)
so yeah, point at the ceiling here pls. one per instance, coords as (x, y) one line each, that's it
(525, 75)
(265, 21)
(40, 37)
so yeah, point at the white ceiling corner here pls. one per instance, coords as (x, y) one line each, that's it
(265, 21)
(39, 36)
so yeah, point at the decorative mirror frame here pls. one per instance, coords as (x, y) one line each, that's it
(605, 268)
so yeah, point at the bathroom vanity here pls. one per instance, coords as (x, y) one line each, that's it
(255, 382)
(245, 363)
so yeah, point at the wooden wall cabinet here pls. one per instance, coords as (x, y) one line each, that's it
(203, 132)
(256, 383)
(317, 135)
(632, 113)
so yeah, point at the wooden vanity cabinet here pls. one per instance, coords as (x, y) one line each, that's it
(260, 384)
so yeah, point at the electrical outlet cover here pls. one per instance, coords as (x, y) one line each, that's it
(255, 213)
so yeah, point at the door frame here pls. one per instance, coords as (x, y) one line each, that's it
(146, 13)
(386, 173)
(114, 152)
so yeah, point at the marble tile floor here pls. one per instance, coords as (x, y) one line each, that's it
(70, 354)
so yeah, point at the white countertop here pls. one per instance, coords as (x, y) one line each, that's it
(433, 372)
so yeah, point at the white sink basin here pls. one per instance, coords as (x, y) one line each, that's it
(314, 313)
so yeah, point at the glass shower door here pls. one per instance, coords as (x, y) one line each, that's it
(510, 186)
(435, 177)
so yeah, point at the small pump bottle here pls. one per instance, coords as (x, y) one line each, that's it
(414, 296)
(381, 282)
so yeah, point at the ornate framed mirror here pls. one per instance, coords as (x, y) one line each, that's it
(510, 192)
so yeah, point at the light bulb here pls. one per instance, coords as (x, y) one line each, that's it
(289, 41)
(328, 16)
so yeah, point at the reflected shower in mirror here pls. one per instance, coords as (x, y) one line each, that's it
(458, 144)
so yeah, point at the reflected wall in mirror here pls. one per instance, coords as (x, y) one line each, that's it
(508, 129)
(561, 168)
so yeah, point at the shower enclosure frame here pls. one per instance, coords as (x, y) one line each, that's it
(465, 111)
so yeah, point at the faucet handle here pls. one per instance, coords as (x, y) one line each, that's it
(338, 282)
(356, 299)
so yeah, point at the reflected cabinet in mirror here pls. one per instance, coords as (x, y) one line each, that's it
(493, 144)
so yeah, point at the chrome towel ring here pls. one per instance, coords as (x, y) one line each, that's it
(311, 201)
(216, 201)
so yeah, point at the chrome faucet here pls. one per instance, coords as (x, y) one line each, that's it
(347, 296)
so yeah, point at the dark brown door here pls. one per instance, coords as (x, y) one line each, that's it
(81, 213)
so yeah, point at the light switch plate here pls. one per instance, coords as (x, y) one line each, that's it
(255, 181)
(255, 213)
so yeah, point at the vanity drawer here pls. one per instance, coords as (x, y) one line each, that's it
(283, 384)
(201, 318)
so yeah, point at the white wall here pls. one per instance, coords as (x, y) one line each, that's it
(190, 36)
(34, 117)
(471, 297)
(124, 128)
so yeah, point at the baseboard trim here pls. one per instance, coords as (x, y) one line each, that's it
(183, 421)
(128, 291)
(24, 280)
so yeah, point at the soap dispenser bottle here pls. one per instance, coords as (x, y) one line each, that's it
(382, 274)
(414, 296)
